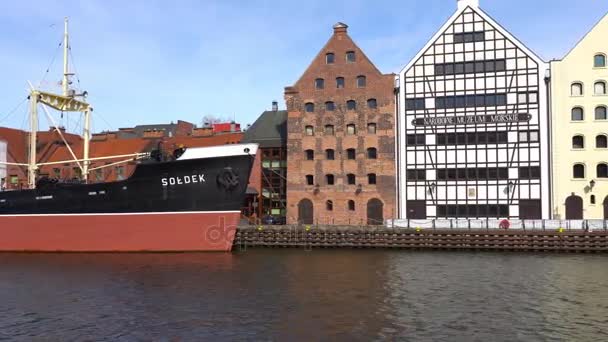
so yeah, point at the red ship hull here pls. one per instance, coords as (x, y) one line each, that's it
(124, 232)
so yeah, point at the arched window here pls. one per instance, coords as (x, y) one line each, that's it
(350, 129)
(329, 58)
(310, 107)
(600, 88)
(592, 199)
(371, 178)
(372, 104)
(350, 56)
(599, 61)
(601, 141)
(329, 205)
(329, 106)
(351, 179)
(329, 179)
(600, 113)
(361, 81)
(339, 82)
(371, 128)
(576, 89)
(578, 142)
(351, 105)
(329, 129)
(310, 155)
(351, 205)
(309, 130)
(578, 171)
(329, 154)
(372, 153)
(310, 180)
(319, 83)
(602, 170)
(577, 114)
(351, 154)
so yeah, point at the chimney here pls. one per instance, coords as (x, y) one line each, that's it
(340, 28)
(275, 106)
(462, 4)
(232, 126)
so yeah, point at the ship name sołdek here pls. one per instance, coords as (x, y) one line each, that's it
(471, 119)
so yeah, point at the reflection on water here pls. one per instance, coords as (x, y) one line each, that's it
(319, 294)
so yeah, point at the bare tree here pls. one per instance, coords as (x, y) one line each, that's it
(212, 119)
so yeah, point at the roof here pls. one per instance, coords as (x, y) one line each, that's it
(102, 148)
(204, 141)
(269, 130)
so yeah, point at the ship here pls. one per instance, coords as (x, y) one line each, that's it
(188, 202)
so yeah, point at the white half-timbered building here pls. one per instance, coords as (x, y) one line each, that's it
(473, 125)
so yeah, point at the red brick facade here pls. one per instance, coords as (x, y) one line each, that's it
(374, 129)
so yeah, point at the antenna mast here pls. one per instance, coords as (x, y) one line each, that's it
(65, 82)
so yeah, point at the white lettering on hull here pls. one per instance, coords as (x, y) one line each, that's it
(170, 181)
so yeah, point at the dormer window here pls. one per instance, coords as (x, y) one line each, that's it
(350, 56)
(329, 58)
(599, 61)
(361, 82)
(319, 83)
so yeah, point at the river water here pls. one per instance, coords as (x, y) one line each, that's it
(280, 294)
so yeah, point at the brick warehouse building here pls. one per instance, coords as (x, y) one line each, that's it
(341, 138)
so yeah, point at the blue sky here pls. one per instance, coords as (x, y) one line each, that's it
(148, 62)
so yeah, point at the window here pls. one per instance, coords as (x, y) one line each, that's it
(470, 67)
(310, 154)
(329, 154)
(350, 56)
(416, 140)
(531, 97)
(372, 103)
(309, 107)
(600, 113)
(351, 205)
(599, 61)
(319, 83)
(351, 154)
(602, 170)
(469, 37)
(371, 128)
(462, 101)
(329, 106)
(350, 129)
(415, 104)
(120, 172)
(57, 172)
(309, 180)
(309, 130)
(351, 105)
(415, 175)
(99, 175)
(371, 178)
(329, 129)
(490, 173)
(329, 205)
(600, 88)
(576, 89)
(361, 82)
(578, 171)
(577, 114)
(528, 136)
(14, 179)
(372, 153)
(351, 179)
(329, 58)
(329, 179)
(532, 172)
(578, 142)
(601, 141)
(340, 82)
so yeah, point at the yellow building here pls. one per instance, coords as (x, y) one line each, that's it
(580, 129)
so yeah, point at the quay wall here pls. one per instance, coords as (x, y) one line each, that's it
(591, 240)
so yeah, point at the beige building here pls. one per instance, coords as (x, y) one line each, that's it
(580, 129)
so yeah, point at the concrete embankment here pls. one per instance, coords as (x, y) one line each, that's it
(541, 240)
